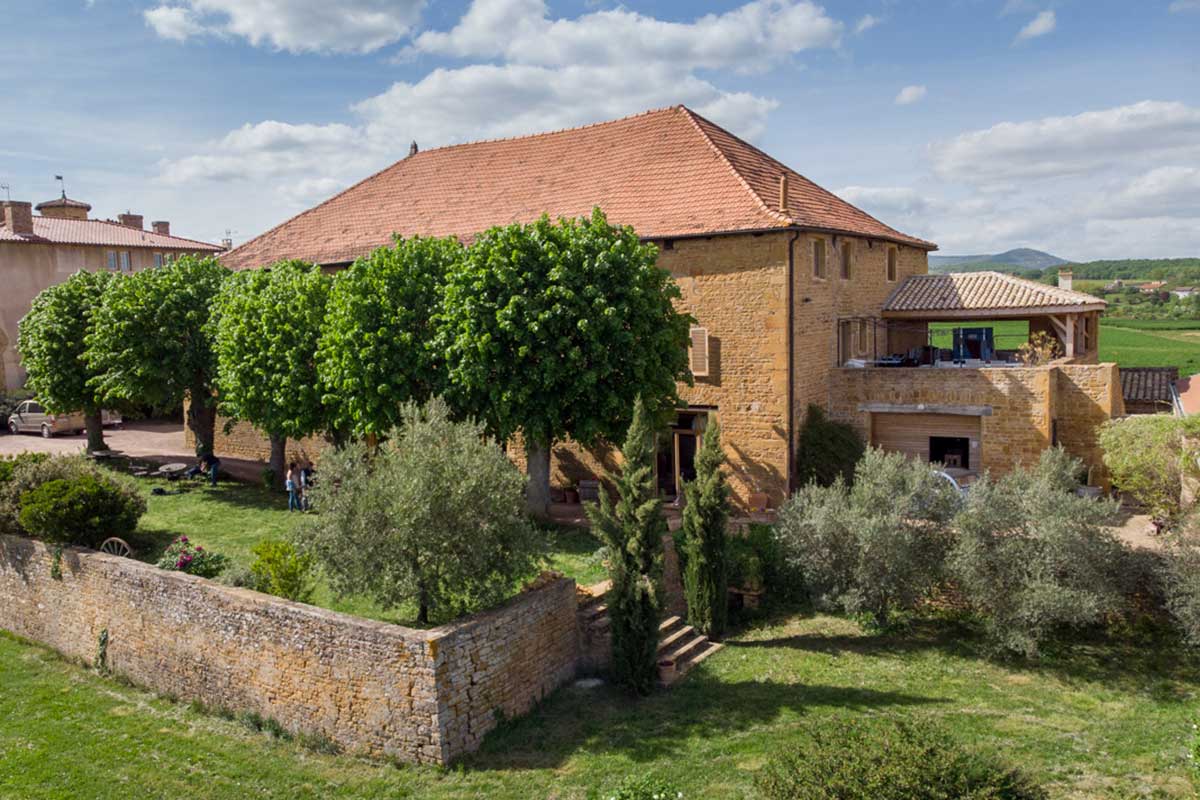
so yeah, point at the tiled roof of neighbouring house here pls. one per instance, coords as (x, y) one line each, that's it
(52, 230)
(667, 173)
(1189, 394)
(1148, 384)
(63, 202)
(983, 291)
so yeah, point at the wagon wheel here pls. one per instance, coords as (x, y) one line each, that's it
(116, 547)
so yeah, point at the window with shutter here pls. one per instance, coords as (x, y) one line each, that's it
(819, 258)
(892, 256)
(124, 261)
(112, 260)
(699, 352)
(847, 258)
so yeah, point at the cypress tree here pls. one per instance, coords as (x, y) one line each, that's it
(632, 529)
(705, 576)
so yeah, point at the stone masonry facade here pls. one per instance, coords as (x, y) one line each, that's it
(1029, 407)
(424, 696)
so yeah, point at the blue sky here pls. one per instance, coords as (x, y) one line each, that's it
(1067, 125)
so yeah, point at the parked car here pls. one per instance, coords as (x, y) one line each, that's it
(30, 417)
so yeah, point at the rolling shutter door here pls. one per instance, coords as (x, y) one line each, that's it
(909, 433)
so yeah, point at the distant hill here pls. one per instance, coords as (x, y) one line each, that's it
(1022, 259)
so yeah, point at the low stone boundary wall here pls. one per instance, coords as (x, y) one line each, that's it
(374, 688)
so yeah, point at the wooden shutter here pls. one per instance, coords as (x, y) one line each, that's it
(699, 352)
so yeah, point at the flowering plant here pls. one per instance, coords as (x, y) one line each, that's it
(192, 559)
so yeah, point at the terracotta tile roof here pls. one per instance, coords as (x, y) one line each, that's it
(1148, 384)
(1189, 394)
(982, 291)
(63, 202)
(668, 173)
(50, 230)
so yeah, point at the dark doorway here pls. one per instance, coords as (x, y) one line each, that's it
(950, 451)
(676, 457)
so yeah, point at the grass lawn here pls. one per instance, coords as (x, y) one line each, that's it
(1151, 343)
(1007, 334)
(1097, 720)
(233, 517)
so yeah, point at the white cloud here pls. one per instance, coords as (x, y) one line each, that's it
(1062, 146)
(865, 23)
(1180, 6)
(1040, 25)
(909, 95)
(886, 201)
(1163, 192)
(294, 25)
(552, 73)
(173, 22)
(751, 37)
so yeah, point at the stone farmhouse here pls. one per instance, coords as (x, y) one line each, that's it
(800, 298)
(37, 252)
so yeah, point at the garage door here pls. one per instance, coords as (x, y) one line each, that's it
(915, 434)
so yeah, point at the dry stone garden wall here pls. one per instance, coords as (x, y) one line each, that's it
(424, 696)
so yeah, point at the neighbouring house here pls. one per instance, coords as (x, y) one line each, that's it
(1151, 287)
(1149, 390)
(1187, 396)
(788, 284)
(39, 251)
(1183, 291)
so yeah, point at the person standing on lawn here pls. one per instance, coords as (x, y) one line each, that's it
(293, 483)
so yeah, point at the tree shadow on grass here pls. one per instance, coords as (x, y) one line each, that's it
(608, 720)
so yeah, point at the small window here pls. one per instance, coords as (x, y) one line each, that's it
(893, 256)
(158, 259)
(847, 258)
(698, 352)
(112, 260)
(819, 258)
(862, 337)
(124, 261)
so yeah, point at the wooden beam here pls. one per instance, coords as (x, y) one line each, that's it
(925, 408)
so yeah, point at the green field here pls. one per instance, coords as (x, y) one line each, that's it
(1099, 719)
(1128, 342)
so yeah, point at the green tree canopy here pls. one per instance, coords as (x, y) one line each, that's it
(267, 323)
(151, 341)
(706, 576)
(553, 330)
(51, 342)
(377, 346)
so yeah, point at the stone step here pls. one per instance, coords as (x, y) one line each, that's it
(593, 611)
(668, 623)
(672, 639)
(684, 651)
(703, 654)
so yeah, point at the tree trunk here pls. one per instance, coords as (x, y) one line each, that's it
(95, 430)
(202, 420)
(278, 460)
(537, 464)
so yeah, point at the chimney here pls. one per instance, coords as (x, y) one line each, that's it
(161, 226)
(783, 192)
(130, 220)
(227, 243)
(412, 148)
(18, 217)
(1064, 279)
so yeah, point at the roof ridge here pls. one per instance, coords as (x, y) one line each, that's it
(693, 117)
(116, 224)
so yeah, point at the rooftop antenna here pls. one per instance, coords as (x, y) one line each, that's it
(7, 194)
(61, 185)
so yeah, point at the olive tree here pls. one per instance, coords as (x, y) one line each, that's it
(552, 330)
(432, 517)
(151, 341)
(1149, 456)
(51, 342)
(377, 347)
(632, 529)
(266, 325)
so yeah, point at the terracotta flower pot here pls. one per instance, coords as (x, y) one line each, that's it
(667, 670)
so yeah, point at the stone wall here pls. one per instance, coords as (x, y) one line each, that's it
(378, 689)
(1028, 406)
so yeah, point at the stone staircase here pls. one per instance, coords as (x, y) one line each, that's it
(677, 640)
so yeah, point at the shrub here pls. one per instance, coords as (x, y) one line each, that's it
(1033, 557)
(876, 759)
(705, 517)
(30, 471)
(643, 788)
(433, 516)
(183, 556)
(10, 464)
(280, 569)
(632, 529)
(84, 510)
(826, 450)
(1181, 583)
(746, 566)
(877, 547)
(1148, 456)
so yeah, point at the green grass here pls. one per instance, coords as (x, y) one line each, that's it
(1152, 324)
(1007, 334)
(1144, 344)
(232, 517)
(1098, 719)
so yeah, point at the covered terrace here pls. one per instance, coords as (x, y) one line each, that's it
(970, 319)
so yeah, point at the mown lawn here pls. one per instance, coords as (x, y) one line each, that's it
(233, 517)
(1151, 343)
(1096, 720)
